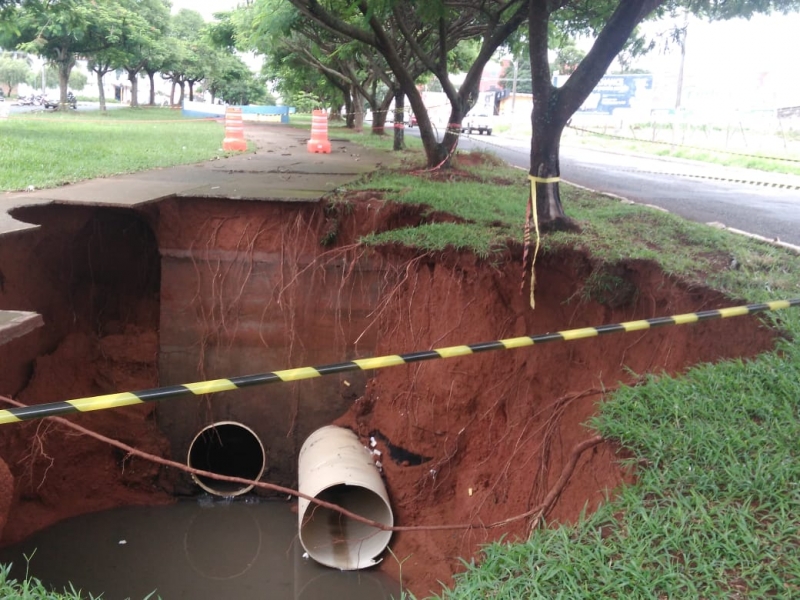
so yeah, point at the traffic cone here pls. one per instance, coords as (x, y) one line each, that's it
(234, 130)
(319, 133)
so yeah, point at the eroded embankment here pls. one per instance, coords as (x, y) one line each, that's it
(197, 289)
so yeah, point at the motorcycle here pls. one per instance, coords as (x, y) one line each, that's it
(72, 102)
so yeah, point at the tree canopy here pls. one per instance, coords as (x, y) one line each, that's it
(426, 32)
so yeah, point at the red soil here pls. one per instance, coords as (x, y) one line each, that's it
(485, 437)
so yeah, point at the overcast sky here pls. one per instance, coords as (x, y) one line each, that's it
(207, 8)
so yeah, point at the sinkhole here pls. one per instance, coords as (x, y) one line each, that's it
(188, 289)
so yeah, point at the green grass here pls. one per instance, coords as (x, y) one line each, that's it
(698, 148)
(32, 589)
(50, 149)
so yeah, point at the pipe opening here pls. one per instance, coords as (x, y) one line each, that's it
(335, 540)
(227, 448)
(335, 467)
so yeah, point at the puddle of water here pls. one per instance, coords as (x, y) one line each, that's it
(210, 549)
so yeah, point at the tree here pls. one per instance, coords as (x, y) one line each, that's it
(429, 31)
(144, 44)
(101, 64)
(13, 71)
(77, 80)
(611, 22)
(292, 63)
(183, 62)
(60, 31)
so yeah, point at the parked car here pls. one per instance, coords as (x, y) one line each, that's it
(51, 102)
(480, 122)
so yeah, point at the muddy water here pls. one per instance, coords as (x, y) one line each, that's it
(195, 550)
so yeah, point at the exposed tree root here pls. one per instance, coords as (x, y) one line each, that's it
(538, 512)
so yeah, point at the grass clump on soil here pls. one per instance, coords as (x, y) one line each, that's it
(32, 589)
(714, 512)
(42, 150)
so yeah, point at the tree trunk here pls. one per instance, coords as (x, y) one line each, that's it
(349, 112)
(150, 76)
(378, 122)
(134, 88)
(182, 86)
(66, 61)
(172, 94)
(553, 107)
(358, 111)
(191, 91)
(399, 119)
(545, 170)
(101, 91)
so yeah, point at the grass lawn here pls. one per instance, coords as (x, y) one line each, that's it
(48, 149)
(715, 512)
(774, 154)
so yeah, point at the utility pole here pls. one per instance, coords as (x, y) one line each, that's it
(683, 60)
(514, 88)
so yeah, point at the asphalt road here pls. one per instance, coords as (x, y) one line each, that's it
(697, 191)
(15, 108)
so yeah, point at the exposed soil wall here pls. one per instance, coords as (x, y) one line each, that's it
(94, 276)
(197, 289)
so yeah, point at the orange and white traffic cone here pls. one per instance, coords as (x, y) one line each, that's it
(319, 133)
(234, 130)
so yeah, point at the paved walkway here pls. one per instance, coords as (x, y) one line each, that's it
(281, 170)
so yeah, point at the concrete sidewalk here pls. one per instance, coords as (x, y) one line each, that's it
(281, 170)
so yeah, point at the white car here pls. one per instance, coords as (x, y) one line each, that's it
(480, 122)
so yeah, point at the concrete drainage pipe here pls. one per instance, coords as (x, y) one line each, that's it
(335, 467)
(227, 448)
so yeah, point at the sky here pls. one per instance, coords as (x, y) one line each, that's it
(741, 61)
(207, 8)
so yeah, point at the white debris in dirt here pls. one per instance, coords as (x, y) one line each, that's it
(372, 442)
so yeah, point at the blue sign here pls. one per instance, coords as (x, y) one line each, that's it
(615, 92)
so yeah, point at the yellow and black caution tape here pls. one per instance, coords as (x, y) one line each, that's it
(365, 364)
(532, 218)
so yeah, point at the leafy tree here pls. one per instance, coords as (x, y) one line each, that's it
(77, 80)
(611, 23)
(567, 58)
(229, 78)
(429, 31)
(13, 71)
(183, 62)
(144, 44)
(101, 64)
(60, 31)
(267, 27)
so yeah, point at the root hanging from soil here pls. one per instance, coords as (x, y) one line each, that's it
(537, 512)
